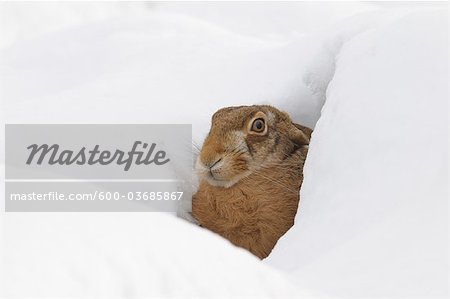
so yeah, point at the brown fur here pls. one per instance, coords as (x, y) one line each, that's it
(251, 196)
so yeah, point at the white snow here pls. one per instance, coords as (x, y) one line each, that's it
(123, 255)
(373, 213)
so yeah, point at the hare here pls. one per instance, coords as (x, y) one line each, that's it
(250, 169)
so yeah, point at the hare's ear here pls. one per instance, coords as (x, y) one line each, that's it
(299, 134)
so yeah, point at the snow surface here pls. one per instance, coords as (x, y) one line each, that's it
(372, 219)
(374, 203)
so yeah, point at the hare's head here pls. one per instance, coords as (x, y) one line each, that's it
(243, 139)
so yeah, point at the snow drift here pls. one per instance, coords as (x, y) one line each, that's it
(373, 214)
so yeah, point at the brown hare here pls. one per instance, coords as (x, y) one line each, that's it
(251, 170)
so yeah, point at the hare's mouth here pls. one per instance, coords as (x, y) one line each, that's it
(213, 180)
(216, 178)
(225, 183)
(218, 173)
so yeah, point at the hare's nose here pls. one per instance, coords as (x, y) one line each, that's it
(214, 163)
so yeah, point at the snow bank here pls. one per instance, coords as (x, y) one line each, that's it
(92, 64)
(374, 202)
(123, 255)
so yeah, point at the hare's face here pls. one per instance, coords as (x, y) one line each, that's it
(242, 140)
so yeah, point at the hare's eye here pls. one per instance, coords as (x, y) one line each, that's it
(258, 125)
